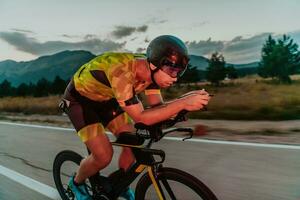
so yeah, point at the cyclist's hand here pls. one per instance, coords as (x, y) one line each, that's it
(196, 101)
(201, 92)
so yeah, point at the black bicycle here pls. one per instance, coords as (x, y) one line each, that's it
(157, 183)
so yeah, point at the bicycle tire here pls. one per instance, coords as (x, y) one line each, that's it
(174, 175)
(58, 161)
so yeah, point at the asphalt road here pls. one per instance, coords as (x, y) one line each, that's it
(12, 190)
(233, 172)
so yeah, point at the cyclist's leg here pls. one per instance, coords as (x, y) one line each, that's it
(101, 151)
(86, 121)
(123, 123)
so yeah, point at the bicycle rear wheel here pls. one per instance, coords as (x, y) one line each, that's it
(65, 165)
(175, 184)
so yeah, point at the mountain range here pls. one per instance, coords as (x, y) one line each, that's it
(202, 63)
(65, 63)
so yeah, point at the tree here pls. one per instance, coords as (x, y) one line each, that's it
(231, 72)
(58, 86)
(265, 66)
(22, 90)
(31, 89)
(6, 88)
(42, 88)
(279, 59)
(216, 70)
(191, 75)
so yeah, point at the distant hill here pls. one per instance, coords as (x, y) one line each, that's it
(249, 65)
(202, 63)
(198, 61)
(64, 64)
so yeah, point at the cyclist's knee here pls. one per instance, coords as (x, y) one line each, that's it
(101, 150)
(102, 160)
(103, 155)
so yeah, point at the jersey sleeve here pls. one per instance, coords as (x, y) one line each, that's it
(152, 89)
(122, 82)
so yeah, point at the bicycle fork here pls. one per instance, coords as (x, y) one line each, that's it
(153, 177)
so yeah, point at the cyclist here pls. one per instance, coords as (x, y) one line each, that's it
(102, 94)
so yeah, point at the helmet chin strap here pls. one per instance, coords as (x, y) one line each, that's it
(152, 71)
(152, 75)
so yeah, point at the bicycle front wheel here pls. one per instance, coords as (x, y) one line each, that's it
(174, 184)
(64, 166)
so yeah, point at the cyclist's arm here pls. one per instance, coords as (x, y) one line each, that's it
(153, 96)
(154, 115)
(154, 100)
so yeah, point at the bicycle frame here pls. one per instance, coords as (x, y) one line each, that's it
(144, 160)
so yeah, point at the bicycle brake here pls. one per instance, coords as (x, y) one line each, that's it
(191, 134)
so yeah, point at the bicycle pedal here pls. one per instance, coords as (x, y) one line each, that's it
(69, 193)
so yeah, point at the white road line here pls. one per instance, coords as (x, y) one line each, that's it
(37, 126)
(30, 183)
(280, 146)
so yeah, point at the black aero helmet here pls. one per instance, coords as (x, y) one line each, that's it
(168, 50)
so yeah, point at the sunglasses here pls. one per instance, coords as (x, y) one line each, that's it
(172, 71)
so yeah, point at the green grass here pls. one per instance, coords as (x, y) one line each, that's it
(30, 105)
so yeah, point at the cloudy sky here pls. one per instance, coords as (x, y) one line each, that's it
(236, 28)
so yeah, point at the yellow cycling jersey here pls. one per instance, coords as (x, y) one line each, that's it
(112, 75)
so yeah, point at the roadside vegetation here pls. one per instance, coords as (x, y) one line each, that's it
(30, 105)
(248, 98)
